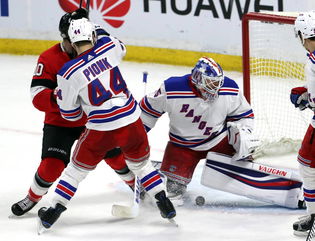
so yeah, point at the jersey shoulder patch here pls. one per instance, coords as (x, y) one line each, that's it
(177, 83)
(178, 87)
(229, 87)
(70, 67)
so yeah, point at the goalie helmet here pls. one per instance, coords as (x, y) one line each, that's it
(81, 30)
(208, 78)
(304, 25)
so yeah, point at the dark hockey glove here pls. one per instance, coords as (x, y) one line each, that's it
(100, 31)
(54, 95)
(299, 97)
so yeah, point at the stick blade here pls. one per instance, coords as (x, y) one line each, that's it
(124, 211)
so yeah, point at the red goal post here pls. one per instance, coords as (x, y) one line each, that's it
(264, 17)
(273, 63)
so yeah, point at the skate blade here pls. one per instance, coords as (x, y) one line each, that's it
(12, 216)
(173, 222)
(300, 233)
(40, 228)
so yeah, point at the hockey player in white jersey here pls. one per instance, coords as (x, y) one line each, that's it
(92, 84)
(304, 99)
(211, 119)
(207, 112)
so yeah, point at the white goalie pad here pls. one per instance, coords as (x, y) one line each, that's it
(280, 186)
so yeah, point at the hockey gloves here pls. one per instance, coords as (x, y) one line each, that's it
(299, 97)
(243, 140)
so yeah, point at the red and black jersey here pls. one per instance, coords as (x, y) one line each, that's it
(45, 81)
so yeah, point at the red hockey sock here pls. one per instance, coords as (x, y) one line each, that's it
(50, 169)
(33, 197)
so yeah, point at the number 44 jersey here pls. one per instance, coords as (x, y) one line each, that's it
(92, 83)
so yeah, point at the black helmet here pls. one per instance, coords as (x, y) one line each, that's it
(66, 19)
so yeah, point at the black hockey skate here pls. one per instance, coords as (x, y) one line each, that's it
(23, 206)
(166, 207)
(303, 226)
(48, 216)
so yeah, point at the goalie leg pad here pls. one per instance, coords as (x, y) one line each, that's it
(221, 173)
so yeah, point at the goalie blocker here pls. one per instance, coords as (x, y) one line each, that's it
(273, 185)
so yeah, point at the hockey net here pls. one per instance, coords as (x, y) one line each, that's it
(273, 63)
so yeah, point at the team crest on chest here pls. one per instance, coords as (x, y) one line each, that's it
(190, 113)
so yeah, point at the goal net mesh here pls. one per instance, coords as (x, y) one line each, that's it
(277, 61)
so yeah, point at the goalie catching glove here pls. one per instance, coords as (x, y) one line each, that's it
(242, 140)
(299, 98)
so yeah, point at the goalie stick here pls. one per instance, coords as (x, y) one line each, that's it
(129, 211)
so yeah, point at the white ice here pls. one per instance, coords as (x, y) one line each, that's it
(223, 217)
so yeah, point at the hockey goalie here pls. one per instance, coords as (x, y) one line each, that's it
(211, 119)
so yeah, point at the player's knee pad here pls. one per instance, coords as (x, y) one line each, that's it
(138, 167)
(75, 173)
(50, 169)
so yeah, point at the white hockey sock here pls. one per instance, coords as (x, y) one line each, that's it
(150, 177)
(68, 184)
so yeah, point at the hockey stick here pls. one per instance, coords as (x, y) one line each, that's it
(129, 211)
(311, 233)
(87, 6)
(144, 80)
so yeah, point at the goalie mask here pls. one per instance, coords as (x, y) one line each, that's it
(81, 30)
(208, 78)
(304, 26)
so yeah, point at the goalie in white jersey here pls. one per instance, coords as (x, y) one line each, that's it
(92, 84)
(207, 112)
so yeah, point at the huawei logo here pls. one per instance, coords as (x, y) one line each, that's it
(110, 11)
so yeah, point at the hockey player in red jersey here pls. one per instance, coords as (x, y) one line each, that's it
(59, 134)
(92, 84)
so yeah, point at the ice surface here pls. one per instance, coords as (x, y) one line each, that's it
(224, 216)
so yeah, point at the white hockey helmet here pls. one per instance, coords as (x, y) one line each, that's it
(208, 78)
(304, 25)
(81, 30)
